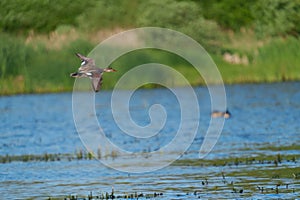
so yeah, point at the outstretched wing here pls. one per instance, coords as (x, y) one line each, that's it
(85, 60)
(96, 83)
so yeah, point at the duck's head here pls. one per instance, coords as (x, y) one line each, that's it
(109, 69)
(227, 114)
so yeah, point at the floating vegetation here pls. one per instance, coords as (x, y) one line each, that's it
(235, 177)
(111, 195)
(221, 185)
(46, 157)
(274, 160)
(81, 154)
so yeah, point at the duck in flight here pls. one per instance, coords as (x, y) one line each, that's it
(89, 69)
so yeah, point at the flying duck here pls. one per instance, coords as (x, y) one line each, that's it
(89, 69)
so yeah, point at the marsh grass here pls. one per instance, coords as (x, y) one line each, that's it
(242, 183)
(35, 68)
(111, 195)
(37, 55)
(272, 160)
(79, 154)
(254, 160)
(242, 176)
(276, 61)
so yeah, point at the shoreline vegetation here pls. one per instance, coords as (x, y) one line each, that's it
(256, 43)
(246, 175)
(80, 154)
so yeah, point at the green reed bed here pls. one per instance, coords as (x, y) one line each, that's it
(272, 160)
(38, 69)
(37, 55)
(241, 184)
(230, 180)
(106, 195)
(240, 161)
(48, 157)
(35, 68)
(243, 176)
(111, 195)
(274, 62)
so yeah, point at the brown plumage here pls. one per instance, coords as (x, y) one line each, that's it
(89, 69)
(225, 114)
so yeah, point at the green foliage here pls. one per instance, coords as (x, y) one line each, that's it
(200, 19)
(13, 56)
(51, 68)
(175, 14)
(39, 15)
(37, 67)
(145, 56)
(14, 60)
(277, 17)
(109, 14)
(26, 69)
(183, 16)
(280, 58)
(276, 61)
(232, 14)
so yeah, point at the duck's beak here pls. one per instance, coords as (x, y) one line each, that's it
(109, 70)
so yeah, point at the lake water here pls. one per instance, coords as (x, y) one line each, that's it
(264, 122)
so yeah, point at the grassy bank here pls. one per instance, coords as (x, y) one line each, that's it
(36, 68)
(254, 42)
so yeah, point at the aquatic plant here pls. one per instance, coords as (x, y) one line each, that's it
(111, 195)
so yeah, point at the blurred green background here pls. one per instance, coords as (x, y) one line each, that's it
(250, 41)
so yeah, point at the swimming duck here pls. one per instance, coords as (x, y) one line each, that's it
(89, 69)
(225, 114)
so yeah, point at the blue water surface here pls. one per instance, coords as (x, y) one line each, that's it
(263, 115)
